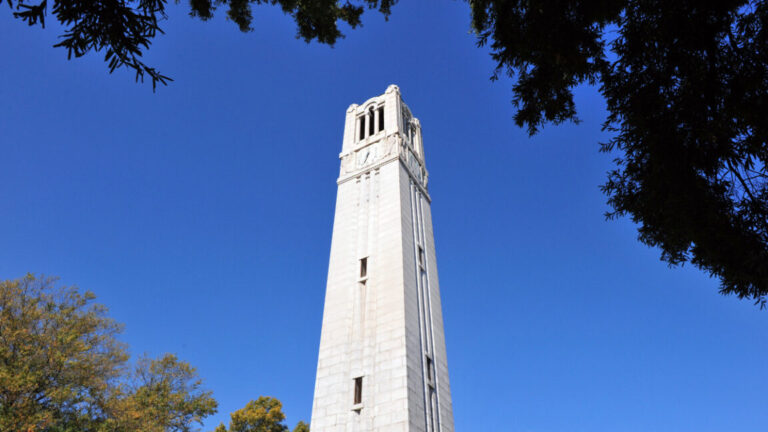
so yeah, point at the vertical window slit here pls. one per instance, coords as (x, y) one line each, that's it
(362, 127)
(429, 369)
(363, 267)
(358, 390)
(371, 121)
(381, 118)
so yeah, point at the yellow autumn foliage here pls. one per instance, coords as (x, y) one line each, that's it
(62, 369)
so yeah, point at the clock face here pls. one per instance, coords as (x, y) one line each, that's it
(365, 156)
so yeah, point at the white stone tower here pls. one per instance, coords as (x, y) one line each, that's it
(382, 365)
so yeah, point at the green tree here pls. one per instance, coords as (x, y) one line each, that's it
(686, 85)
(58, 355)
(161, 395)
(262, 415)
(62, 369)
(123, 29)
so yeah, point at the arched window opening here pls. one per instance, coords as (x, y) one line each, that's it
(371, 122)
(381, 118)
(361, 120)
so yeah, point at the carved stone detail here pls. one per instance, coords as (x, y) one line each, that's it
(347, 163)
(393, 143)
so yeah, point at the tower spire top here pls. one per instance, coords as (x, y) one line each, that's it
(378, 130)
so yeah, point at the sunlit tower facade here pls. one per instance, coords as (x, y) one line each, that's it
(382, 364)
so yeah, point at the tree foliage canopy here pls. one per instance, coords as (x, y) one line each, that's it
(262, 415)
(62, 369)
(58, 354)
(123, 29)
(160, 395)
(686, 86)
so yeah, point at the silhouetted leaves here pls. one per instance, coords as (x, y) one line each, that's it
(124, 28)
(31, 14)
(686, 85)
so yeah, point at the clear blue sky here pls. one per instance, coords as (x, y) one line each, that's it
(202, 214)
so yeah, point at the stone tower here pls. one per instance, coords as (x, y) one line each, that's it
(382, 364)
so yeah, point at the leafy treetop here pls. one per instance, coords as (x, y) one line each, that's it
(62, 369)
(262, 415)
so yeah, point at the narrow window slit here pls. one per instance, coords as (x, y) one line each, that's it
(364, 267)
(358, 391)
(430, 374)
(371, 121)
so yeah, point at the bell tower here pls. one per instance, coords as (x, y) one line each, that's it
(382, 364)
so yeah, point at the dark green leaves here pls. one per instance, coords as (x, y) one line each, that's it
(30, 14)
(549, 46)
(686, 85)
(122, 28)
(125, 28)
